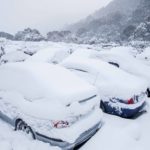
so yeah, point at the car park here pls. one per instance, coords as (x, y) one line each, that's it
(122, 59)
(122, 93)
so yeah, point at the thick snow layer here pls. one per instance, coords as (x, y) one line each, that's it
(11, 140)
(122, 134)
(15, 56)
(126, 61)
(39, 114)
(37, 93)
(43, 80)
(81, 53)
(116, 133)
(109, 79)
(52, 52)
(82, 125)
(49, 55)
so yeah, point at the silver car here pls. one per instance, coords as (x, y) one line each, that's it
(49, 103)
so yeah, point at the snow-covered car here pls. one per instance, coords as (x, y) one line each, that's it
(121, 58)
(49, 102)
(14, 56)
(50, 55)
(121, 93)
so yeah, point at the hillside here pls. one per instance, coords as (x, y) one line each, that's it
(120, 20)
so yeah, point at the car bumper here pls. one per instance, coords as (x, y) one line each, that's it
(126, 112)
(68, 146)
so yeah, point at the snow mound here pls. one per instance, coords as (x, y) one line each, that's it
(49, 54)
(108, 78)
(14, 56)
(126, 61)
(9, 140)
(43, 80)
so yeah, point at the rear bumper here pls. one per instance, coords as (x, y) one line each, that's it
(68, 146)
(126, 112)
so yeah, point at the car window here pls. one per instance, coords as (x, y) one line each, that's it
(115, 64)
(78, 69)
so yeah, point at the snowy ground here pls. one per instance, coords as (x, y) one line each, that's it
(122, 134)
(116, 134)
(11, 140)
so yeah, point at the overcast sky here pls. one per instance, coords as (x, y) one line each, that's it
(44, 15)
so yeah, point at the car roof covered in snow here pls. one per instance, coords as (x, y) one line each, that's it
(14, 56)
(110, 80)
(49, 54)
(43, 80)
(126, 61)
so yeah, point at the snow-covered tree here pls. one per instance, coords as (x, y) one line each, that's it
(29, 35)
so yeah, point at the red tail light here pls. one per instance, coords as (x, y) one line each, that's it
(60, 124)
(131, 101)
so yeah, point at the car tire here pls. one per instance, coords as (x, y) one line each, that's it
(148, 93)
(102, 106)
(20, 125)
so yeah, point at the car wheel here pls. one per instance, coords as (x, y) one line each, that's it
(102, 106)
(148, 93)
(20, 125)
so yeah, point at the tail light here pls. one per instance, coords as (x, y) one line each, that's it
(60, 124)
(131, 101)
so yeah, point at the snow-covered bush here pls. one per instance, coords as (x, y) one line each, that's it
(142, 32)
(29, 35)
(61, 36)
(6, 35)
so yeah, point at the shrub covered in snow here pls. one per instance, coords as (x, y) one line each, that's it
(15, 56)
(61, 36)
(29, 35)
(142, 32)
(6, 35)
